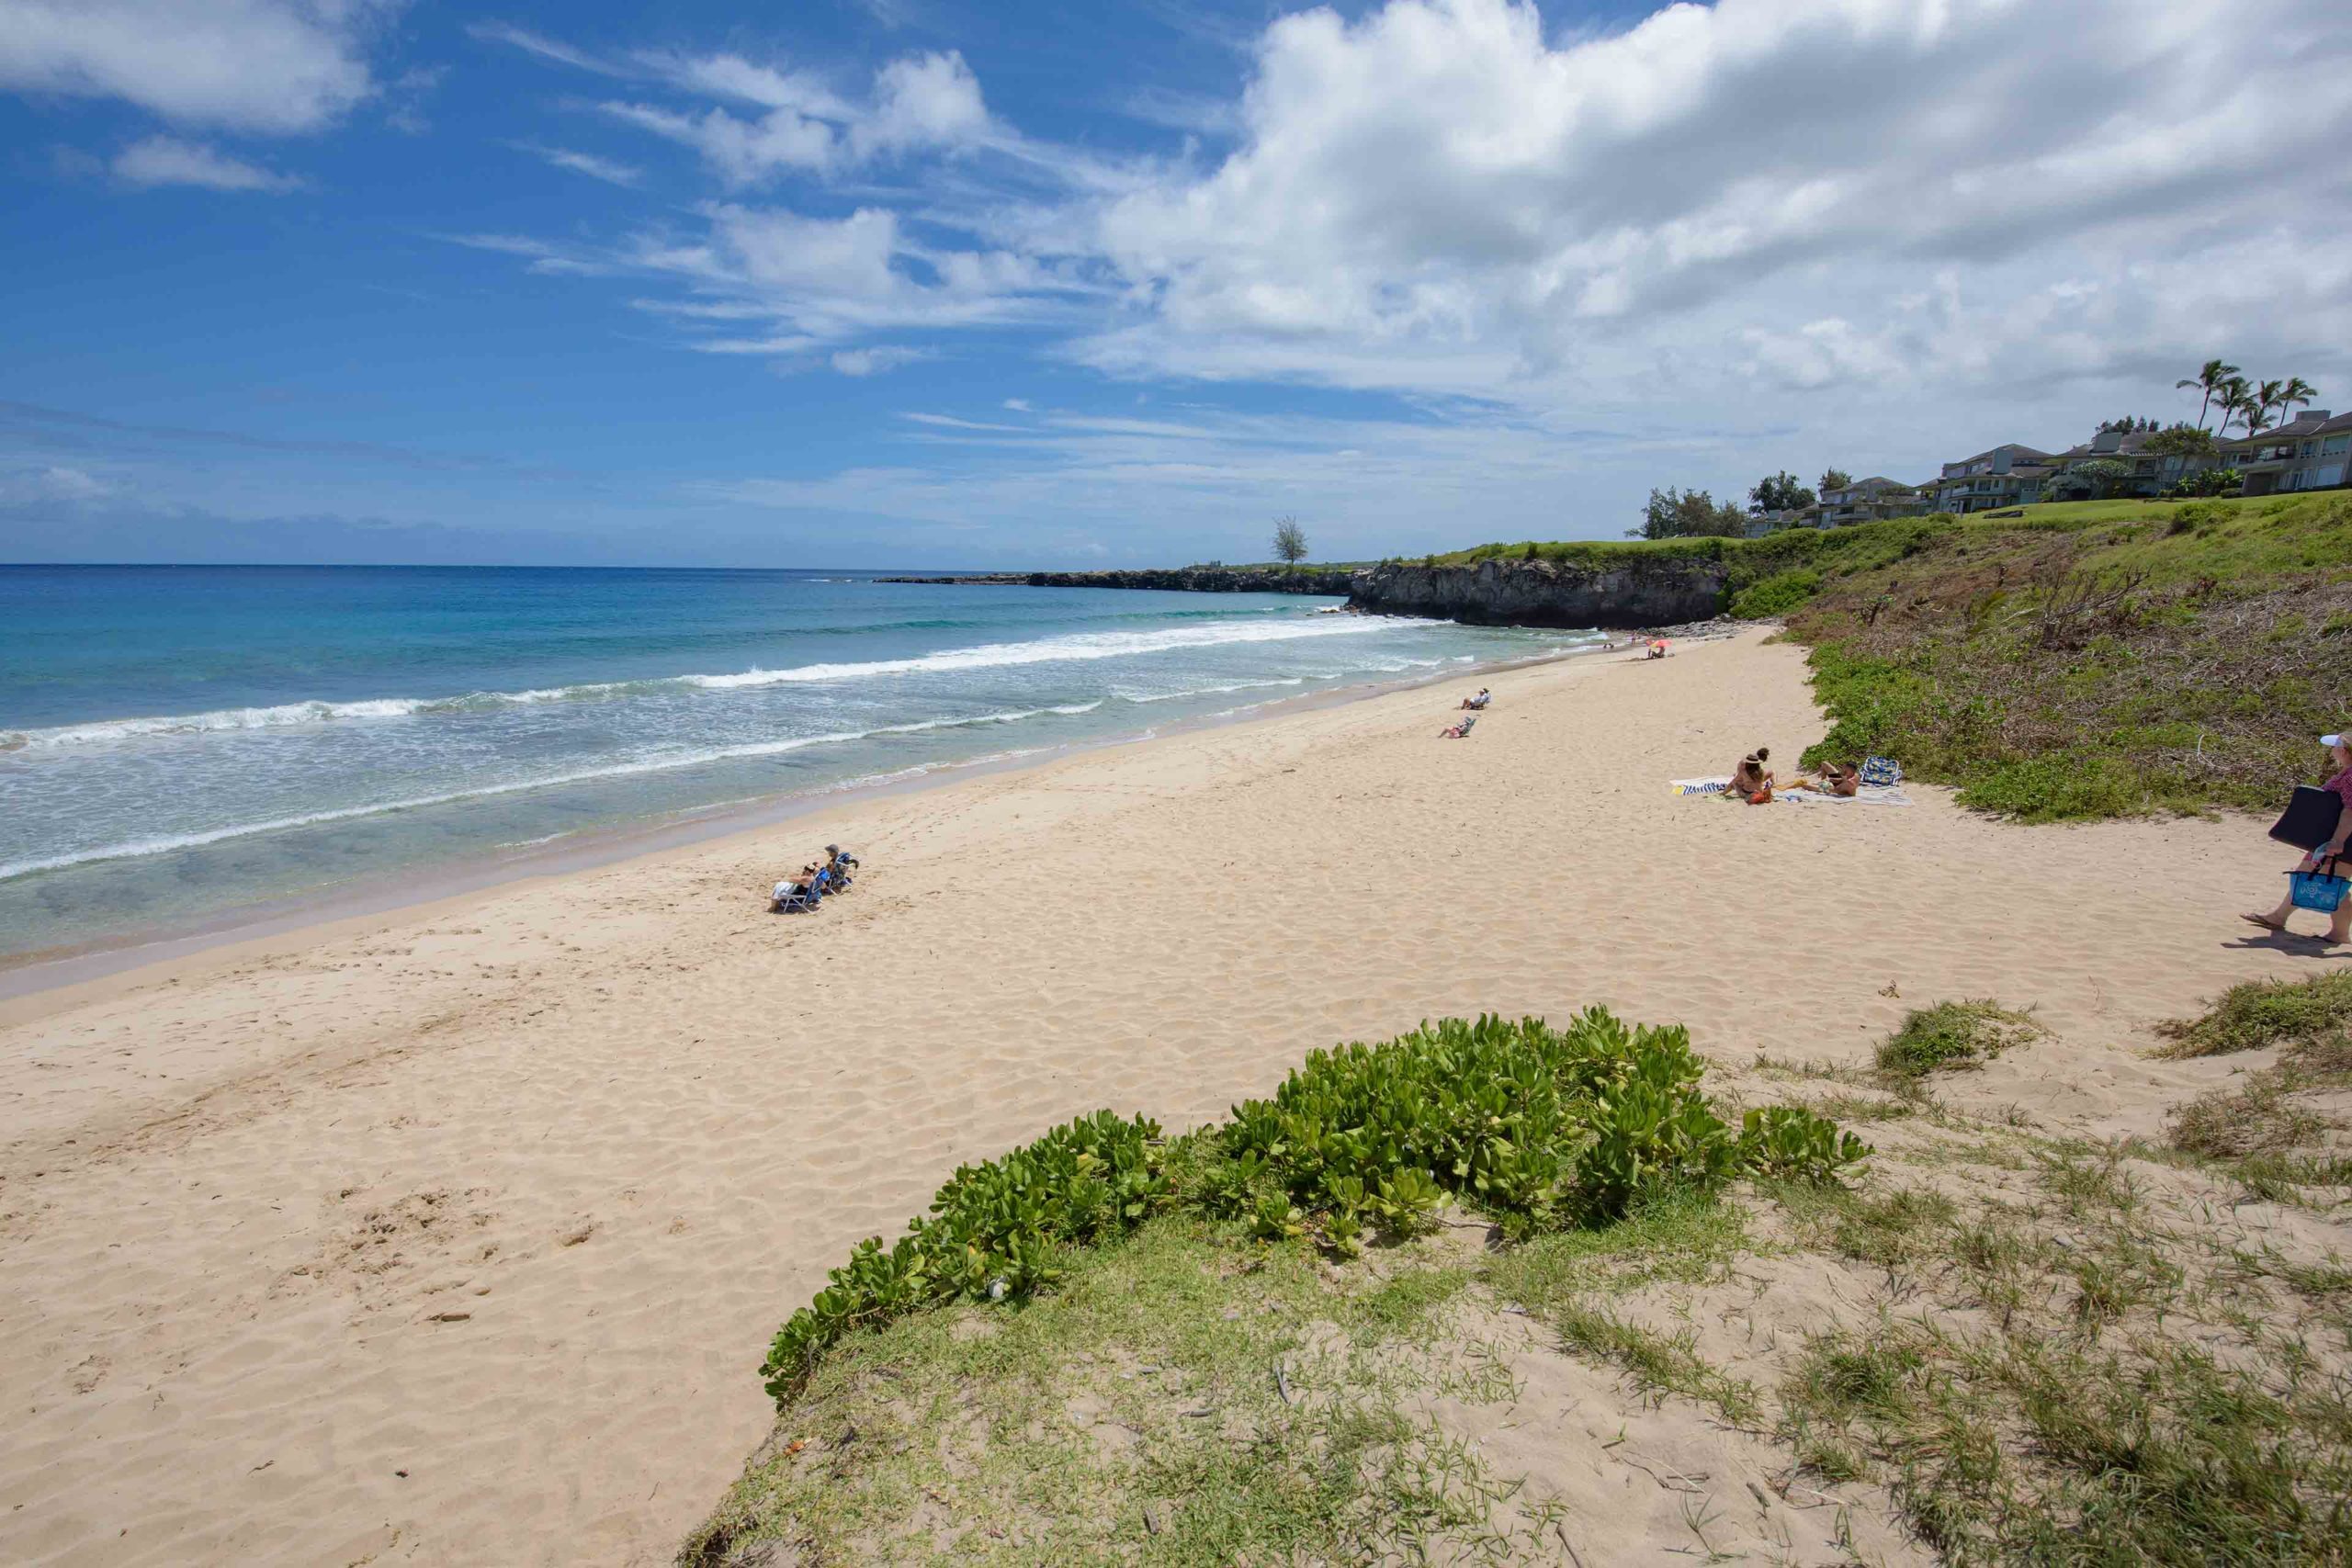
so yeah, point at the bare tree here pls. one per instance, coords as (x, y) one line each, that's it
(1290, 541)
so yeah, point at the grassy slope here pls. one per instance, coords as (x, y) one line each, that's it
(2045, 1352)
(2088, 659)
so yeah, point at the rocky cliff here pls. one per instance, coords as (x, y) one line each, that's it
(1331, 581)
(1620, 593)
(1512, 592)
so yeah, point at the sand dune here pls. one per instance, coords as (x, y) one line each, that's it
(457, 1237)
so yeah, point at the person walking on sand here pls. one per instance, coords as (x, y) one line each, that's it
(2323, 859)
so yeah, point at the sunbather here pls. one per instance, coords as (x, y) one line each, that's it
(1657, 647)
(1479, 703)
(1456, 731)
(1841, 778)
(1751, 782)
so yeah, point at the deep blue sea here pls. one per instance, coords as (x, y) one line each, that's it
(178, 742)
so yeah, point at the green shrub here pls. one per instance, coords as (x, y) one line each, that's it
(1953, 1034)
(996, 1230)
(1775, 595)
(1536, 1126)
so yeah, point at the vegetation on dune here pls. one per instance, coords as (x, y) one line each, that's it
(1952, 1034)
(2267, 1120)
(1538, 1127)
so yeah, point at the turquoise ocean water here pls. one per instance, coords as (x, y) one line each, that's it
(178, 743)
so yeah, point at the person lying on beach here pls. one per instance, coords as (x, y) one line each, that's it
(1751, 779)
(1456, 731)
(1841, 778)
(1479, 703)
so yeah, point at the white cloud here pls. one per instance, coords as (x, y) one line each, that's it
(1763, 233)
(928, 100)
(606, 169)
(168, 161)
(53, 483)
(272, 66)
(877, 360)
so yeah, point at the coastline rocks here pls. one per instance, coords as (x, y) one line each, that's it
(1502, 592)
(1185, 580)
(1510, 592)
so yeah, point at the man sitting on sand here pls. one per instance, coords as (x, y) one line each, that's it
(1479, 703)
(798, 886)
(1751, 779)
(1841, 778)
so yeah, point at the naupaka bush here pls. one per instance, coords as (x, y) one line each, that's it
(1536, 1127)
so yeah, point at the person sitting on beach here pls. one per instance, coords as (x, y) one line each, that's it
(1751, 779)
(1842, 779)
(1479, 703)
(839, 864)
(1657, 647)
(1456, 731)
(793, 887)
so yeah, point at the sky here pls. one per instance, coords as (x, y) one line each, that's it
(1018, 283)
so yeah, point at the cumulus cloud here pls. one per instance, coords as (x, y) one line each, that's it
(270, 66)
(1787, 231)
(1440, 182)
(168, 161)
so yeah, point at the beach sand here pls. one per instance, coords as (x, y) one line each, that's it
(457, 1236)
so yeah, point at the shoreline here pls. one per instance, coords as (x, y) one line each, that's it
(456, 1235)
(34, 971)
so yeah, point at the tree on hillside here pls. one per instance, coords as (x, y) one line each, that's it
(2231, 399)
(1290, 541)
(2296, 390)
(2098, 479)
(1834, 478)
(2209, 381)
(2266, 398)
(2183, 441)
(1686, 514)
(1779, 492)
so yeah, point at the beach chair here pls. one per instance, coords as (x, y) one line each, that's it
(791, 898)
(1458, 731)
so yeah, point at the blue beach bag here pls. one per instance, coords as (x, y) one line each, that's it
(2321, 892)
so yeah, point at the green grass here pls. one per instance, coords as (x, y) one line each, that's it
(1952, 1034)
(2310, 1017)
(2084, 659)
(1147, 1383)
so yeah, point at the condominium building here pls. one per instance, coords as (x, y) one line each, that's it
(2308, 452)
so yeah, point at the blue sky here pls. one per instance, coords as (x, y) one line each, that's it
(916, 282)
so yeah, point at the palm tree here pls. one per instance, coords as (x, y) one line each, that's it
(2232, 399)
(2210, 381)
(2266, 398)
(2296, 390)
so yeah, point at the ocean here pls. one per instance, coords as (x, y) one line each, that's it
(181, 743)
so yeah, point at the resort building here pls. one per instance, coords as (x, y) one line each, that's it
(1873, 500)
(2308, 452)
(2006, 476)
(2149, 471)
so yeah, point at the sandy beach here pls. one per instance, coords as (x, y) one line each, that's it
(456, 1235)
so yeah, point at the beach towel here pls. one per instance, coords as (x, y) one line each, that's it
(1799, 794)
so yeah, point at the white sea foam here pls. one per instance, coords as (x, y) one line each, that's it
(162, 844)
(1045, 650)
